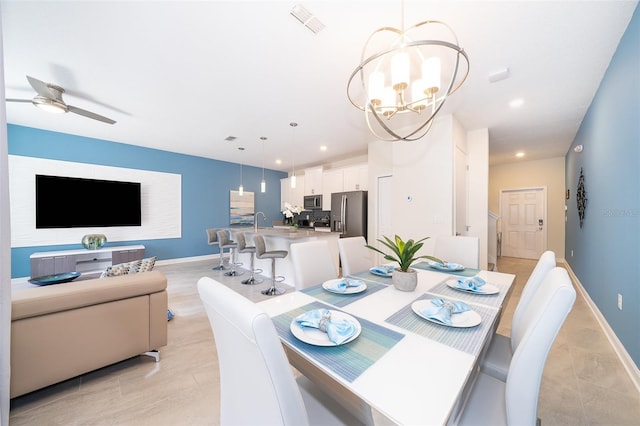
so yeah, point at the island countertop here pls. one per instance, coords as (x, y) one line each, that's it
(291, 233)
(282, 239)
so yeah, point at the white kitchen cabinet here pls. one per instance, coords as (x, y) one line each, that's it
(293, 196)
(332, 181)
(313, 181)
(356, 178)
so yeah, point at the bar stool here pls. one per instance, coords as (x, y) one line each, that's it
(212, 240)
(226, 243)
(244, 248)
(261, 253)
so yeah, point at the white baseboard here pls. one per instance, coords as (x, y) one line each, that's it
(618, 347)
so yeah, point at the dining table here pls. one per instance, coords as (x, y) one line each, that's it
(402, 367)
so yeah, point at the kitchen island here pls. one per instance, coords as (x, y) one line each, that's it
(282, 239)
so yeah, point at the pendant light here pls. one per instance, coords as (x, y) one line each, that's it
(293, 176)
(241, 187)
(263, 183)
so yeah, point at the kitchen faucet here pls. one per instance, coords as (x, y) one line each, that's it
(255, 221)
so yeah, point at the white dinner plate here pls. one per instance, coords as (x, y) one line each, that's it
(464, 319)
(485, 289)
(450, 266)
(349, 290)
(374, 272)
(313, 336)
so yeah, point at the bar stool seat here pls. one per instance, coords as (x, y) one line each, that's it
(226, 243)
(244, 248)
(262, 253)
(212, 240)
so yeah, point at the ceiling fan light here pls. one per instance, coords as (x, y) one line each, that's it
(49, 105)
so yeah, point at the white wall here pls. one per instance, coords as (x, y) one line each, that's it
(160, 202)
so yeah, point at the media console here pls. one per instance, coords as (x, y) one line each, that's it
(82, 260)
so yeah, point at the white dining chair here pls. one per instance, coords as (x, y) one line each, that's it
(458, 249)
(515, 402)
(354, 255)
(313, 263)
(257, 384)
(498, 356)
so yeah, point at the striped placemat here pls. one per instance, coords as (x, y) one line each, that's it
(368, 276)
(469, 340)
(350, 360)
(493, 300)
(337, 299)
(466, 272)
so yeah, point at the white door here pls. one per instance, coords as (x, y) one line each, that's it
(524, 222)
(461, 193)
(384, 213)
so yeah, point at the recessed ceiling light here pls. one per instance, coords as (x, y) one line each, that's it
(323, 148)
(278, 161)
(520, 154)
(516, 103)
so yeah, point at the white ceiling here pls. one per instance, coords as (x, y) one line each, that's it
(182, 76)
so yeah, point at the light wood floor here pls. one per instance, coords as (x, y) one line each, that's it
(583, 383)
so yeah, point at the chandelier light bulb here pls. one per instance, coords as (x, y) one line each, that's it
(400, 71)
(376, 88)
(431, 76)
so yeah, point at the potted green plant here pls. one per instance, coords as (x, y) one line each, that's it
(404, 253)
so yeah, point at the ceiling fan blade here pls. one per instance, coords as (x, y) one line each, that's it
(90, 114)
(18, 100)
(41, 87)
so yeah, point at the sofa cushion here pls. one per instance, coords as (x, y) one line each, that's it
(145, 265)
(121, 269)
(34, 301)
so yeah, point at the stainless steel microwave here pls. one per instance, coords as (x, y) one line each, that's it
(312, 202)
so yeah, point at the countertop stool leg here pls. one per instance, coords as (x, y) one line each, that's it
(273, 290)
(252, 279)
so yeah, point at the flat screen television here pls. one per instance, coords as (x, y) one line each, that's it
(69, 202)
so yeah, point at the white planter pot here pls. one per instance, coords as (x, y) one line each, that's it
(405, 281)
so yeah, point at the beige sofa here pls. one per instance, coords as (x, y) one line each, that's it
(64, 330)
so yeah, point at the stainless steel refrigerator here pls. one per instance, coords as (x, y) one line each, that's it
(349, 213)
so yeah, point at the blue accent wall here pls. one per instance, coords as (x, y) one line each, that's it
(606, 250)
(205, 187)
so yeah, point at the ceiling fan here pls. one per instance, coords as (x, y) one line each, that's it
(49, 98)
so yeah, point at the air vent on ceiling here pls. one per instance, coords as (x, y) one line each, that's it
(307, 19)
(230, 138)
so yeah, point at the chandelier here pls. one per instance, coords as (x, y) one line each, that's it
(405, 77)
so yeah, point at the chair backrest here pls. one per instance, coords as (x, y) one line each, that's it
(546, 263)
(312, 263)
(544, 316)
(459, 249)
(241, 240)
(256, 381)
(258, 240)
(354, 256)
(212, 236)
(223, 239)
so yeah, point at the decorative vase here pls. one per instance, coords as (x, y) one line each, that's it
(94, 241)
(405, 281)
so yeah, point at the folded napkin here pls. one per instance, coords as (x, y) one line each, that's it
(342, 285)
(446, 265)
(440, 310)
(338, 330)
(383, 270)
(470, 284)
